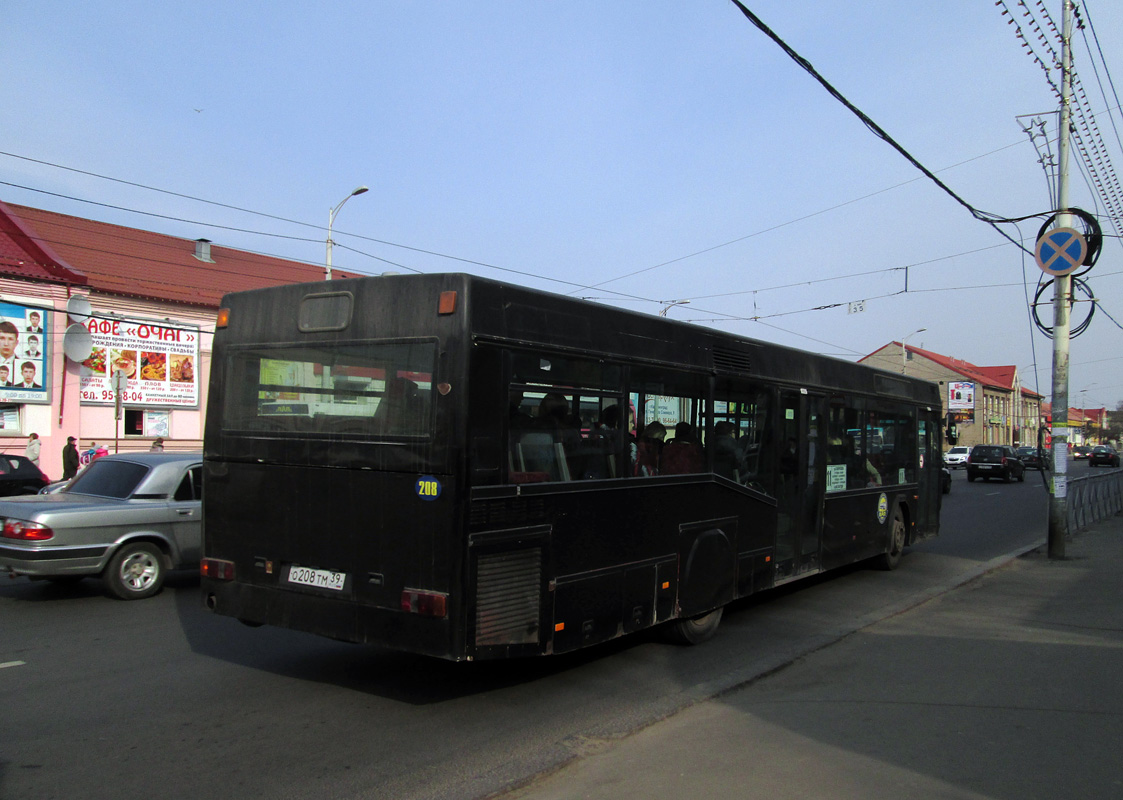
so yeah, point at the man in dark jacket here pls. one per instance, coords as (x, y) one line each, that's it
(69, 459)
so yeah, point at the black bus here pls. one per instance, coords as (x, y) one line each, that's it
(468, 469)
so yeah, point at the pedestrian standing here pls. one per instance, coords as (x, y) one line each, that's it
(157, 446)
(69, 458)
(32, 449)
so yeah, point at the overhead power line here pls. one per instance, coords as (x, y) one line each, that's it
(990, 219)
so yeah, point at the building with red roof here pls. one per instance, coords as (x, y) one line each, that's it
(989, 405)
(149, 303)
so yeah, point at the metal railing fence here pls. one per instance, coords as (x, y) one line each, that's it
(1094, 497)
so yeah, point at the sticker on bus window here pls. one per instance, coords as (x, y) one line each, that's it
(882, 509)
(428, 487)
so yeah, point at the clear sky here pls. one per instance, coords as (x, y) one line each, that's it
(633, 152)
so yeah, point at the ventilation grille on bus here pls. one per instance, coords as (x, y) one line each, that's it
(507, 513)
(731, 360)
(508, 596)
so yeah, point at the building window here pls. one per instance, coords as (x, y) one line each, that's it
(9, 419)
(146, 422)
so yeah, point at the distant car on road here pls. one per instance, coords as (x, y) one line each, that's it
(995, 461)
(1032, 458)
(1081, 451)
(127, 518)
(957, 457)
(19, 476)
(1104, 454)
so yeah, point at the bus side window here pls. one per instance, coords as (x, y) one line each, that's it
(669, 410)
(742, 438)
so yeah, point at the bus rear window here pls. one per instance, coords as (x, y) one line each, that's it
(365, 390)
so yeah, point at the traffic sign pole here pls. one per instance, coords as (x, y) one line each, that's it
(1058, 500)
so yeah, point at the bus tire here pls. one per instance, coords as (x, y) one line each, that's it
(135, 572)
(892, 558)
(696, 629)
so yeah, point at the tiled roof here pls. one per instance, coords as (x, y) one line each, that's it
(994, 377)
(132, 262)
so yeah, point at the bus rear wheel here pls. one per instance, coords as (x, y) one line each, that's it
(696, 629)
(892, 558)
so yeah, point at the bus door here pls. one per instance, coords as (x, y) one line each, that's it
(799, 523)
(928, 473)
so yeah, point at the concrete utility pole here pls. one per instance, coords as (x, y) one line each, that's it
(1058, 501)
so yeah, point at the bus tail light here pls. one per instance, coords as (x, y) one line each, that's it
(217, 568)
(223, 318)
(429, 604)
(26, 531)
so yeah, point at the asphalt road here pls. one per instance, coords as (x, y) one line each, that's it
(102, 698)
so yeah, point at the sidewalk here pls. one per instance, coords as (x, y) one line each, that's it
(1010, 686)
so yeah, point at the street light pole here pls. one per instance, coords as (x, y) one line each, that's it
(904, 351)
(331, 219)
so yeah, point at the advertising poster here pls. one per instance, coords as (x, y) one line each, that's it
(23, 354)
(961, 395)
(159, 361)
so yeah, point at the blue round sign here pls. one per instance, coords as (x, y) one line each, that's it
(428, 488)
(1061, 251)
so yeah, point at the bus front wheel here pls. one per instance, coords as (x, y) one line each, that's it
(696, 629)
(890, 559)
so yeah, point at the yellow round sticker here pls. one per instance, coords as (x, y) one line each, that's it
(882, 508)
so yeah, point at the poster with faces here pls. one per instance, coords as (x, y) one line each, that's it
(23, 353)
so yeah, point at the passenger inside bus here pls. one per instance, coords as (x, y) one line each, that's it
(649, 449)
(683, 454)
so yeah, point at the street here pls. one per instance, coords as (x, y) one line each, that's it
(103, 698)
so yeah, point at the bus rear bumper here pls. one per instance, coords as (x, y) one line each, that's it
(334, 618)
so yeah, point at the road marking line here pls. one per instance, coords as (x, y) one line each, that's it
(4, 664)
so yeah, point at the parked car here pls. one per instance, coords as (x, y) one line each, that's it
(945, 480)
(1104, 454)
(1032, 458)
(128, 518)
(995, 461)
(957, 457)
(1081, 451)
(19, 476)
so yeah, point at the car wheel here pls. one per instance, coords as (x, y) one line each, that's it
(695, 630)
(1022, 476)
(970, 478)
(890, 560)
(136, 571)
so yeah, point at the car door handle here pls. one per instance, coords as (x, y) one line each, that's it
(184, 512)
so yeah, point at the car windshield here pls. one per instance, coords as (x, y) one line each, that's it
(102, 478)
(988, 452)
(1100, 449)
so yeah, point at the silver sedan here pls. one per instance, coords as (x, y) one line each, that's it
(127, 518)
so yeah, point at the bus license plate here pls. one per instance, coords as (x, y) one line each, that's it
(319, 578)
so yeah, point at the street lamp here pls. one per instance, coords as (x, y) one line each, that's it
(904, 351)
(1084, 411)
(331, 219)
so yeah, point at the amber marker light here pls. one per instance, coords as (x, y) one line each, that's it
(447, 303)
(223, 318)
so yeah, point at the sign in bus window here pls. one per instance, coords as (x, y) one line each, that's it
(362, 390)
